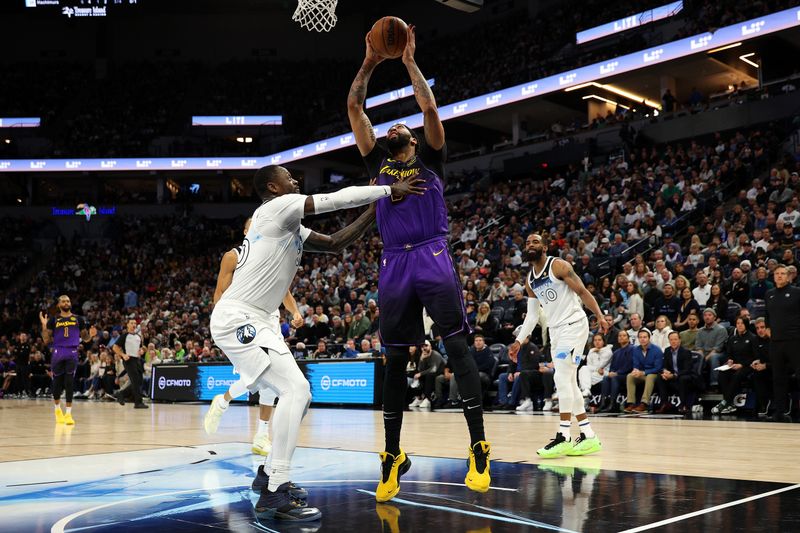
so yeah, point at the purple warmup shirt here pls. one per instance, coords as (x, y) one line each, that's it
(413, 219)
(66, 330)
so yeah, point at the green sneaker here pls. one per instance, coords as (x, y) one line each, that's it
(585, 446)
(558, 447)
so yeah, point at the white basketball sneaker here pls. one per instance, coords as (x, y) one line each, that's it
(214, 415)
(416, 402)
(425, 404)
(261, 444)
(526, 405)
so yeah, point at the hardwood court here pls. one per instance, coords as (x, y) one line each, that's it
(711, 466)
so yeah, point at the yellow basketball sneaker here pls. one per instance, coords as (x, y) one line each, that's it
(59, 415)
(392, 467)
(68, 420)
(261, 444)
(478, 477)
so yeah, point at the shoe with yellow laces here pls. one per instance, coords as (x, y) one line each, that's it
(392, 467)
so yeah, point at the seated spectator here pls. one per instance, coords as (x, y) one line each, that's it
(446, 379)
(8, 374)
(611, 336)
(689, 336)
(359, 327)
(485, 323)
(635, 300)
(322, 351)
(618, 369)
(636, 327)
(669, 304)
(678, 376)
(350, 351)
(338, 331)
(431, 364)
(648, 361)
(710, 343)
(300, 351)
(718, 302)
(740, 351)
(597, 360)
(661, 333)
(688, 306)
(759, 288)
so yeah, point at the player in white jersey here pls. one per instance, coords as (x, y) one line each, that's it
(554, 289)
(240, 325)
(266, 397)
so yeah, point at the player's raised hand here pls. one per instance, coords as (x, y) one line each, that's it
(411, 44)
(372, 56)
(43, 318)
(410, 186)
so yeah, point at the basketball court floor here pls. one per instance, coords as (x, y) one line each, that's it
(130, 470)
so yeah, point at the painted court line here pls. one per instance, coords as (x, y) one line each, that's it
(710, 509)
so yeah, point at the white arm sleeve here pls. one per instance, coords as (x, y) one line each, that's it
(350, 197)
(531, 319)
(304, 232)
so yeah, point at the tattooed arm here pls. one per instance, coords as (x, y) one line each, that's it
(359, 121)
(564, 271)
(434, 131)
(317, 242)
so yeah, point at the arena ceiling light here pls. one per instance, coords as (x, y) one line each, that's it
(745, 56)
(602, 99)
(721, 48)
(616, 90)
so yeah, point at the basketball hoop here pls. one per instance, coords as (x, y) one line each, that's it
(316, 15)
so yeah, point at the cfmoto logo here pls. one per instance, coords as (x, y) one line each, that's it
(162, 382)
(325, 382)
(210, 382)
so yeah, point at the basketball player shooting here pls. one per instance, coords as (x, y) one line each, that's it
(553, 283)
(66, 331)
(240, 322)
(416, 269)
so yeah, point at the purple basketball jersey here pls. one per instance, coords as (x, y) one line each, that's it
(412, 219)
(66, 330)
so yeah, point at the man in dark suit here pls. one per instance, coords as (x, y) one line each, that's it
(678, 375)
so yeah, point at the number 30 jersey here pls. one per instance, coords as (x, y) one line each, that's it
(561, 305)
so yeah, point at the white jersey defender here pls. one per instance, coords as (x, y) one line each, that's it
(560, 303)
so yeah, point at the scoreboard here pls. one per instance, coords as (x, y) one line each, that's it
(80, 8)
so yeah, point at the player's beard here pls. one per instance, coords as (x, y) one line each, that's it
(398, 142)
(535, 255)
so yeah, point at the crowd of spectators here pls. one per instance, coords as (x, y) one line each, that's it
(154, 99)
(646, 233)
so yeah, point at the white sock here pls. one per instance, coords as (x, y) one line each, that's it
(586, 428)
(563, 428)
(278, 474)
(69, 410)
(223, 403)
(263, 427)
(58, 407)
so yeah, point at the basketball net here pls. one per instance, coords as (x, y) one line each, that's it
(316, 15)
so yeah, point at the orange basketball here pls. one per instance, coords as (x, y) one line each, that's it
(388, 37)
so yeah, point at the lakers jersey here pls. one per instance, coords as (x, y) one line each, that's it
(561, 305)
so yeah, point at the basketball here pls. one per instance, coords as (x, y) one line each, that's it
(388, 37)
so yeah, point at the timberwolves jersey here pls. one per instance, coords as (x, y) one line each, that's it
(274, 317)
(561, 305)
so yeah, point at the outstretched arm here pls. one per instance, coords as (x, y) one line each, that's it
(225, 276)
(434, 131)
(291, 305)
(359, 121)
(529, 324)
(317, 242)
(46, 333)
(564, 271)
